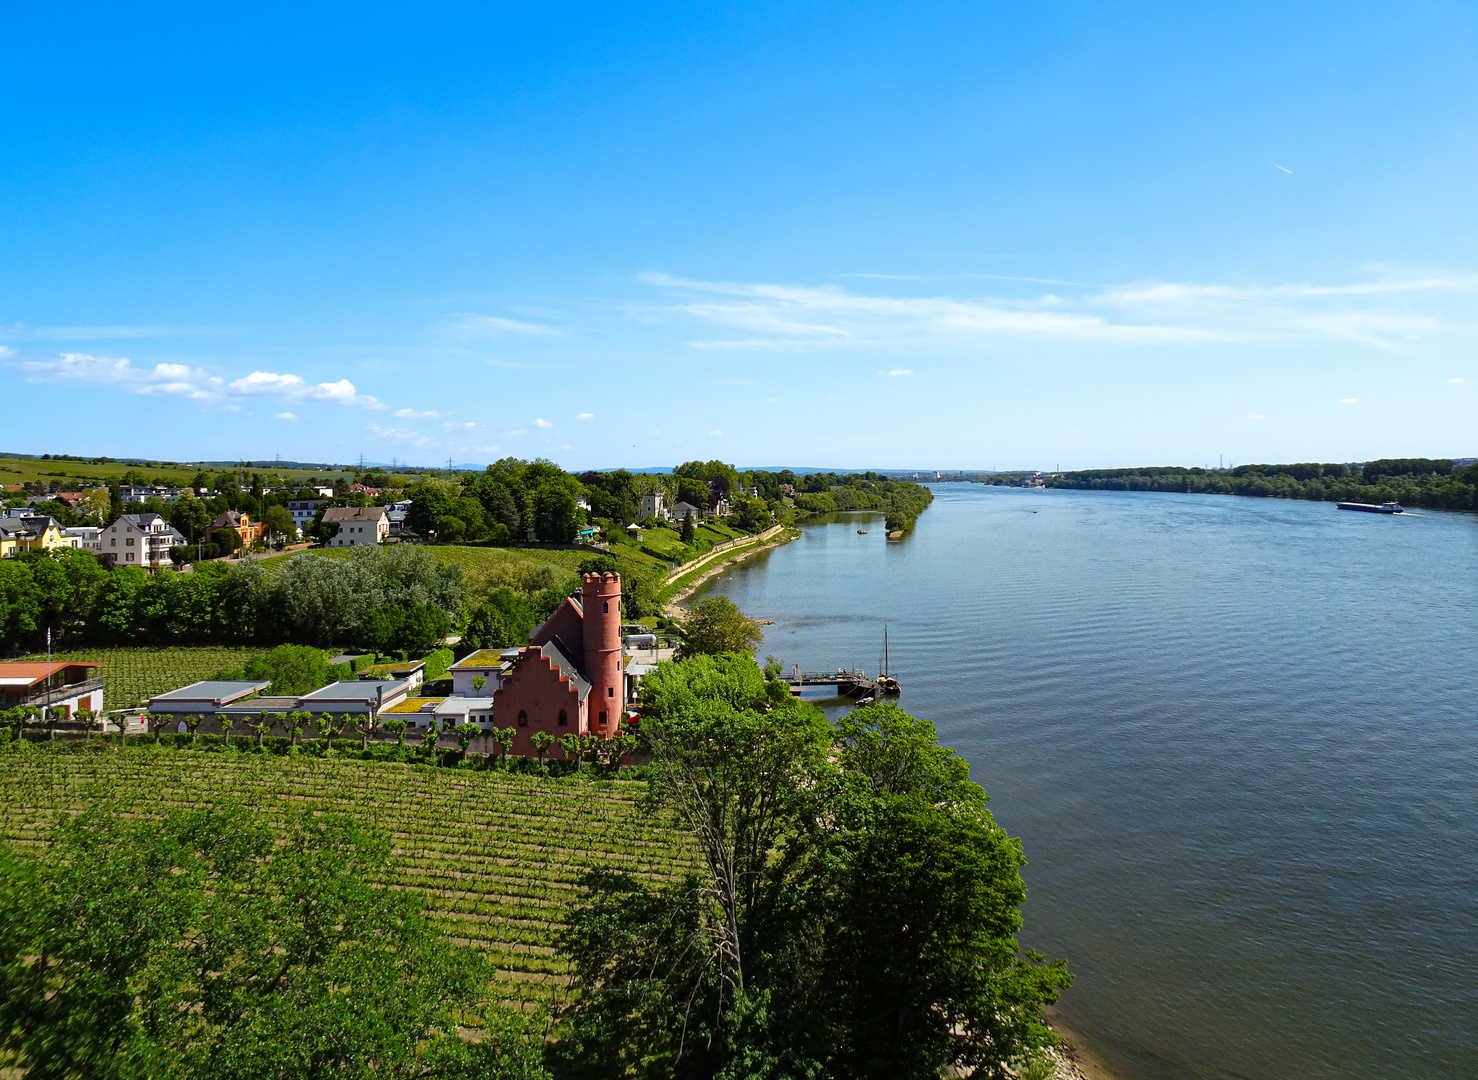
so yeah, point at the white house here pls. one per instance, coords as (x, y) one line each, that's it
(304, 511)
(87, 537)
(140, 540)
(486, 664)
(653, 505)
(359, 526)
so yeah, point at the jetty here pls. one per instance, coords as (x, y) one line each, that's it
(842, 683)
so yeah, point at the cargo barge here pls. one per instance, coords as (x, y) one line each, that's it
(1372, 508)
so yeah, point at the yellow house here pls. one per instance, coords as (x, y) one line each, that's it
(30, 534)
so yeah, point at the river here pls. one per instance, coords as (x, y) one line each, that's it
(1236, 736)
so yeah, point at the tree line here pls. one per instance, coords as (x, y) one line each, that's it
(375, 595)
(901, 501)
(1425, 482)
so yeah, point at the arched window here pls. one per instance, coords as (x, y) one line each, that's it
(564, 718)
(523, 718)
(605, 607)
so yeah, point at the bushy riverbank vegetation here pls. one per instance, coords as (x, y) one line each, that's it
(1416, 482)
(901, 501)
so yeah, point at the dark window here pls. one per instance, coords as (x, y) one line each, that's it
(610, 691)
(602, 716)
(605, 607)
(564, 718)
(523, 718)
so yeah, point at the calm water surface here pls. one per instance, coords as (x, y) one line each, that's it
(1236, 736)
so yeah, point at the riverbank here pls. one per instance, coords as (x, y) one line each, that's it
(1073, 1060)
(690, 580)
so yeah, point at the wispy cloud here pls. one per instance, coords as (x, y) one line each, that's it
(1348, 400)
(412, 414)
(1257, 416)
(586, 416)
(715, 433)
(469, 326)
(1385, 310)
(542, 424)
(897, 371)
(287, 416)
(181, 380)
(398, 435)
(1457, 381)
(1275, 165)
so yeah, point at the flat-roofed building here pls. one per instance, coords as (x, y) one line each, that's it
(486, 664)
(60, 688)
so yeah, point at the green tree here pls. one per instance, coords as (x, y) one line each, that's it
(189, 516)
(202, 946)
(278, 525)
(853, 915)
(291, 669)
(541, 740)
(716, 625)
(686, 533)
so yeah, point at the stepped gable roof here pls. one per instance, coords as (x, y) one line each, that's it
(556, 654)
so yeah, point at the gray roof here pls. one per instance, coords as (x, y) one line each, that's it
(353, 513)
(211, 692)
(140, 521)
(567, 667)
(354, 691)
(257, 705)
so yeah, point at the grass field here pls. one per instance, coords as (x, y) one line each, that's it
(473, 560)
(136, 675)
(498, 856)
(24, 470)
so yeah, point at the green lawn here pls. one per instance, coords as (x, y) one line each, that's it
(498, 857)
(136, 675)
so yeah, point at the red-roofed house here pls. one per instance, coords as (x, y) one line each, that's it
(62, 688)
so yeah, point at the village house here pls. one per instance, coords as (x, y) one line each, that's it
(140, 540)
(653, 505)
(30, 532)
(87, 537)
(304, 511)
(359, 526)
(245, 527)
(60, 689)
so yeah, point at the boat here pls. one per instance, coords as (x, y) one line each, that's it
(887, 685)
(861, 532)
(1371, 508)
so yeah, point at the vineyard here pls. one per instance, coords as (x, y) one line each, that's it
(136, 675)
(498, 856)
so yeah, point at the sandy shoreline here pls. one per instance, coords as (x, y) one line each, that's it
(722, 564)
(1073, 1061)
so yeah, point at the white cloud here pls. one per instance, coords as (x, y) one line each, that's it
(400, 435)
(1384, 312)
(286, 416)
(517, 431)
(1348, 400)
(586, 416)
(1257, 416)
(469, 325)
(1459, 382)
(715, 433)
(411, 414)
(897, 371)
(542, 424)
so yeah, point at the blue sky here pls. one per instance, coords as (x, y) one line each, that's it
(871, 235)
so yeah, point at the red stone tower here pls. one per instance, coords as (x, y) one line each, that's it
(600, 601)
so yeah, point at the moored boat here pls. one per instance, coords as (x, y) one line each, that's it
(1372, 508)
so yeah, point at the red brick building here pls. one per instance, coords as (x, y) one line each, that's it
(570, 679)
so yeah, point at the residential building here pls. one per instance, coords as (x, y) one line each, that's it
(139, 494)
(245, 527)
(59, 688)
(453, 712)
(486, 664)
(87, 537)
(718, 499)
(683, 509)
(653, 505)
(140, 540)
(570, 679)
(31, 532)
(359, 526)
(304, 511)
